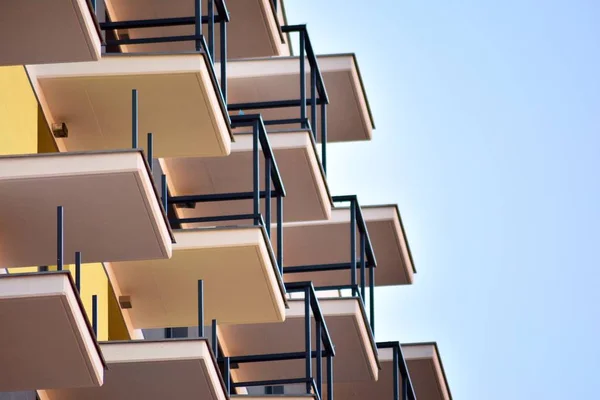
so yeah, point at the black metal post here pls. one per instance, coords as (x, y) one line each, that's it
(134, 118)
(201, 308)
(215, 339)
(302, 80)
(324, 137)
(372, 298)
(318, 327)
(307, 339)
(363, 274)
(211, 29)
(353, 246)
(95, 314)
(268, 164)
(59, 238)
(149, 153)
(404, 388)
(223, 26)
(226, 374)
(255, 173)
(165, 194)
(395, 379)
(329, 377)
(78, 271)
(280, 233)
(313, 101)
(198, 24)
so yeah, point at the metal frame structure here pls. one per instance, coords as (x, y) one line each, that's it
(317, 96)
(274, 187)
(365, 261)
(325, 349)
(399, 363)
(220, 17)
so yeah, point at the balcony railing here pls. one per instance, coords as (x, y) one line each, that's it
(324, 349)
(399, 365)
(366, 260)
(274, 188)
(217, 14)
(316, 97)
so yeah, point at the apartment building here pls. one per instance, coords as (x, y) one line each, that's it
(167, 225)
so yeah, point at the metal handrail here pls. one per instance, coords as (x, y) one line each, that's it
(399, 363)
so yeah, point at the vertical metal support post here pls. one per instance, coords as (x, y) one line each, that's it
(372, 298)
(280, 233)
(307, 339)
(215, 339)
(223, 26)
(78, 271)
(95, 314)
(164, 192)
(134, 119)
(302, 81)
(59, 238)
(330, 377)
(255, 174)
(268, 163)
(226, 374)
(313, 101)
(363, 274)
(319, 332)
(211, 29)
(324, 137)
(201, 308)
(395, 379)
(150, 152)
(198, 23)
(404, 388)
(353, 246)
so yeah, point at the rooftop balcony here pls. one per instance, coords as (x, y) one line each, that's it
(426, 371)
(94, 193)
(32, 305)
(35, 32)
(153, 370)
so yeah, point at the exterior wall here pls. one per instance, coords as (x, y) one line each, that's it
(18, 112)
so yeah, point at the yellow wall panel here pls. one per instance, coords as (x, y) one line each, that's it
(18, 112)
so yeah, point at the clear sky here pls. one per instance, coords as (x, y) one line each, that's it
(488, 117)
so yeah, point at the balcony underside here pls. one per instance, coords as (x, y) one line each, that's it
(46, 339)
(329, 243)
(177, 369)
(275, 79)
(241, 283)
(254, 30)
(307, 196)
(111, 210)
(178, 102)
(426, 371)
(41, 32)
(355, 359)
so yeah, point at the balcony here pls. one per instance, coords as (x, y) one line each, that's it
(255, 32)
(273, 86)
(88, 104)
(231, 260)
(149, 370)
(288, 354)
(95, 192)
(426, 371)
(37, 32)
(394, 381)
(307, 195)
(47, 341)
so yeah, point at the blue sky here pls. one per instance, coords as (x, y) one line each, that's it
(487, 114)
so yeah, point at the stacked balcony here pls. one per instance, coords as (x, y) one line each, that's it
(183, 130)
